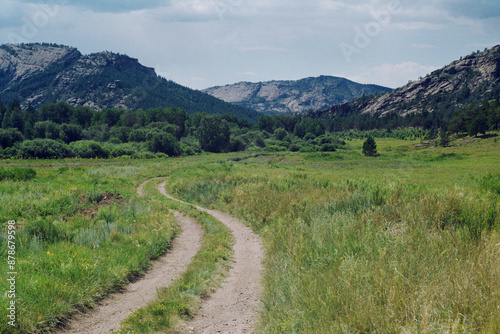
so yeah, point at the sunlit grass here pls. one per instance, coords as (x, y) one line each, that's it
(404, 242)
(65, 261)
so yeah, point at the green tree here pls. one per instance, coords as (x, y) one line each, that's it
(8, 137)
(46, 129)
(70, 133)
(370, 147)
(3, 109)
(280, 133)
(494, 118)
(165, 143)
(444, 138)
(213, 134)
(477, 121)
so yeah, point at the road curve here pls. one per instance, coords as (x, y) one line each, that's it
(109, 313)
(235, 306)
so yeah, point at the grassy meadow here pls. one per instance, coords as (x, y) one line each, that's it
(81, 232)
(405, 242)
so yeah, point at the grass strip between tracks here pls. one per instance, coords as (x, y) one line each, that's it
(181, 300)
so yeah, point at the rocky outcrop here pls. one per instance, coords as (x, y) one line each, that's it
(35, 74)
(18, 62)
(293, 96)
(454, 84)
(469, 80)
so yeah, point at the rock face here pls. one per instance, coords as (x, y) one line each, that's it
(19, 62)
(293, 96)
(464, 80)
(469, 80)
(36, 74)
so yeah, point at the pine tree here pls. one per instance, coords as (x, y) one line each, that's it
(444, 138)
(370, 147)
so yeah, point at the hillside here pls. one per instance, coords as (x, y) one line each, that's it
(469, 80)
(293, 96)
(36, 74)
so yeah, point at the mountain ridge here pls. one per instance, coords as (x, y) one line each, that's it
(470, 79)
(36, 74)
(293, 96)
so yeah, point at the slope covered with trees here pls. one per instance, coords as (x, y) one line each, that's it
(36, 74)
(58, 130)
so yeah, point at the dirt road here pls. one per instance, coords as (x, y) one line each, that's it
(234, 307)
(108, 315)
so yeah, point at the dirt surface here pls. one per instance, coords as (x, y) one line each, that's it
(108, 315)
(107, 199)
(234, 307)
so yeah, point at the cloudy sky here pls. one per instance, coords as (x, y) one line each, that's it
(202, 43)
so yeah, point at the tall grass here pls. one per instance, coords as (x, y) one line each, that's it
(180, 301)
(66, 261)
(376, 252)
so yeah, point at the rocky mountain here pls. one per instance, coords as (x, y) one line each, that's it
(36, 74)
(469, 80)
(293, 96)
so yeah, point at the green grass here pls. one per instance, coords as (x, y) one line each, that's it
(180, 301)
(66, 261)
(404, 242)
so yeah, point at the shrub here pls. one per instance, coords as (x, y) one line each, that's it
(44, 149)
(88, 149)
(328, 147)
(165, 143)
(144, 155)
(44, 230)
(17, 173)
(120, 149)
(9, 137)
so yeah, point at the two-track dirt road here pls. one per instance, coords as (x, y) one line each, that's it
(233, 308)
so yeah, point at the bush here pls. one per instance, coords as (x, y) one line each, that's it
(161, 155)
(43, 229)
(17, 173)
(120, 149)
(307, 149)
(328, 147)
(44, 149)
(88, 149)
(165, 143)
(144, 155)
(9, 137)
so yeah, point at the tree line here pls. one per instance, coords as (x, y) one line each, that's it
(58, 130)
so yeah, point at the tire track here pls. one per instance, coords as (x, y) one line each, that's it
(109, 313)
(234, 307)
